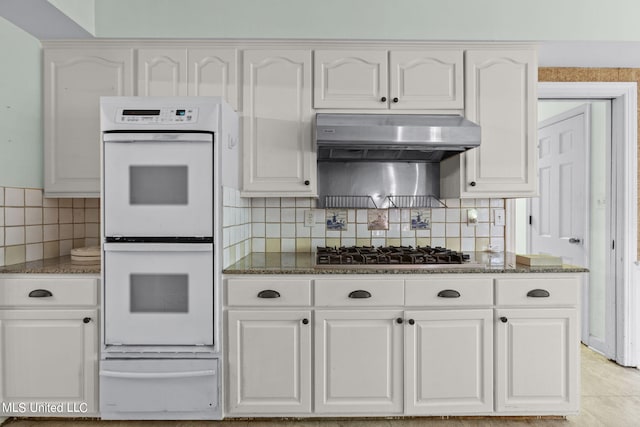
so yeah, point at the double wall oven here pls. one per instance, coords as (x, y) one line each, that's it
(160, 352)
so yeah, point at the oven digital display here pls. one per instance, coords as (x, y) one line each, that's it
(181, 112)
(141, 112)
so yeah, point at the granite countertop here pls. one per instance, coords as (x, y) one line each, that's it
(60, 265)
(304, 263)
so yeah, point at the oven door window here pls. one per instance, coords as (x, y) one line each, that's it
(158, 185)
(159, 293)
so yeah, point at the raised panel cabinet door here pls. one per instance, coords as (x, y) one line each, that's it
(162, 72)
(277, 147)
(213, 72)
(48, 356)
(351, 79)
(74, 81)
(429, 79)
(269, 362)
(537, 361)
(448, 362)
(501, 96)
(358, 362)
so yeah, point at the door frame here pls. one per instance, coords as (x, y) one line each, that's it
(624, 140)
(624, 144)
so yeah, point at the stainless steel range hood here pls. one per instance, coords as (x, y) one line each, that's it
(393, 137)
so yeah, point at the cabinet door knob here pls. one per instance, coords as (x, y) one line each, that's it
(40, 293)
(360, 294)
(86, 319)
(395, 99)
(268, 293)
(383, 99)
(504, 319)
(399, 320)
(412, 322)
(305, 321)
(306, 182)
(472, 183)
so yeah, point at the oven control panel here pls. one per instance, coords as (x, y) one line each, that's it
(171, 115)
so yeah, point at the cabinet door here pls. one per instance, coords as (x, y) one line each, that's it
(74, 81)
(350, 79)
(162, 72)
(537, 360)
(269, 362)
(449, 362)
(213, 72)
(358, 363)
(48, 356)
(429, 79)
(500, 92)
(278, 157)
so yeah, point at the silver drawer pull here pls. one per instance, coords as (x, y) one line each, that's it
(449, 293)
(40, 293)
(538, 293)
(268, 293)
(360, 294)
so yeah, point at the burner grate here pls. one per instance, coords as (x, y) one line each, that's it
(388, 255)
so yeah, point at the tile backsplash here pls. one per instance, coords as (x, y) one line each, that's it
(236, 226)
(277, 225)
(33, 227)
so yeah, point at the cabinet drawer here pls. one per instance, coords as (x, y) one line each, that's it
(39, 292)
(356, 292)
(462, 291)
(542, 291)
(280, 293)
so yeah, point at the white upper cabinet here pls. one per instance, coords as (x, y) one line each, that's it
(74, 81)
(500, 92)
(350, 79)
(214, 72)
(381, 79)
(427, 79)
(162, 72)
(277, 147)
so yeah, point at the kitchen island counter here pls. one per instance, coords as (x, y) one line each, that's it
(304, 263)
(59, 265)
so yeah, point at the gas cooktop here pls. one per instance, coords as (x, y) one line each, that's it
(393, 256)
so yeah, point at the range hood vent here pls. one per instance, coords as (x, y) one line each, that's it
(393, 137)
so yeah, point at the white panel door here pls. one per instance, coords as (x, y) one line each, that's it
(351, 79)
(449, 362)
(269, 362)
(48, 356)
(358, 363)
(74, 81)
(558, 217)
(429, 79)
(500, 95)
(277, 147)
(214, 72)
(162, 72)
(537, 360)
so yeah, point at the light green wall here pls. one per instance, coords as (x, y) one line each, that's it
(484, 20)
(20, 108)
(81, 11)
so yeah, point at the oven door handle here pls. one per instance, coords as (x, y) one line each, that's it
(157, 375)
(158, 247)
(156, 137)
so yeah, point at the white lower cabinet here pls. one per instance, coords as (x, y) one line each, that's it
(269, 361)
(465, 344)
(448, 363)
(537, 360)
(48, 353)
(358, 363)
